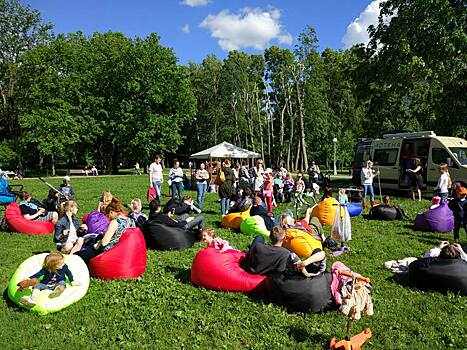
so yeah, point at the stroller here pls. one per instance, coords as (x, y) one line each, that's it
(54, 199)
(7, 194)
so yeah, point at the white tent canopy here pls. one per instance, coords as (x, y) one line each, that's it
(225, 150)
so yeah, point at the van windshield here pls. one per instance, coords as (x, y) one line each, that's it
(460, 153)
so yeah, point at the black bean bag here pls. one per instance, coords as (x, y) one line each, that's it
(299, 294)
(386, 212)
(439, 274)
(163, 237)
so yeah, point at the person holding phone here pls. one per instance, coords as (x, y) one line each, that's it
(169, 219)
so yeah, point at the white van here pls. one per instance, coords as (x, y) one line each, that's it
(394, 153)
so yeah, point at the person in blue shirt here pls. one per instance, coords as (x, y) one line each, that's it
(54, 273)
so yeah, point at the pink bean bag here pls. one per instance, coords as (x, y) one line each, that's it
(17, 223)
(212, 269)
(127, 259)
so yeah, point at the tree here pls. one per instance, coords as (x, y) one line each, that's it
(20, 30)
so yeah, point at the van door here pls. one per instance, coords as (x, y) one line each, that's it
(412, 149)
(386, 160)
(438, 154)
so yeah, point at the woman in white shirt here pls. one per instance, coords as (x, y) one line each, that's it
(367, 175)
(176, 180)
(444, 182)
(155, 175)
(258, 177)
(201, 183)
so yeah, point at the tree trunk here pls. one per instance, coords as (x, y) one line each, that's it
(297, 156)
(302, 123)
(53, 164)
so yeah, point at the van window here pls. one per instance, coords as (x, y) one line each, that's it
(460, 153)
(385, 156)
(439, 155)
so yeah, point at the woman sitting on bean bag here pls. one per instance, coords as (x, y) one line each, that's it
(118, 225)
(31, 210)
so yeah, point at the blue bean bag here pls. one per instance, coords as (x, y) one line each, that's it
(354, 209)
(439, 219)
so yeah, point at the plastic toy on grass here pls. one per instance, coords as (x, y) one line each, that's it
(355, 342)
(44, 304)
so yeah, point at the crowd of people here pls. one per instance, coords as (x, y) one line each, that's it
(239, 188)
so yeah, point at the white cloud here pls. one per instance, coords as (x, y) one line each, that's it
(195, 3)
(249, 28)
(186, 28)
(357, 30)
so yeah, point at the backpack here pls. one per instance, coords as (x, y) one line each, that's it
(220, 178)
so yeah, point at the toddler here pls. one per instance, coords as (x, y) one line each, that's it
(54, 271)
(288, 186)
(267, 189)
(208, 236)
(459, 207)
(135, 213)
(343, 199)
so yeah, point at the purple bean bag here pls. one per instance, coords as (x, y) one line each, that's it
(439, 219)
(97, 222)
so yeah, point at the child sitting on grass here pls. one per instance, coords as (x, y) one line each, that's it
(54, 271)
(208, 236)
(136, 214)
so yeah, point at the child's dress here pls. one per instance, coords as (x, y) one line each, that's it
(268, 192)
(220, 244)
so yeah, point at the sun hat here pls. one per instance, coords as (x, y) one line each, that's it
(66, 178)
(436, 200)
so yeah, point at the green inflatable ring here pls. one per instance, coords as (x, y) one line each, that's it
(254, 226)
(44, 304)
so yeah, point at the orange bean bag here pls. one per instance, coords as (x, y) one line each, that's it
(300, 242)
(234, 220)
(127, 259)
(17, 223)
(325, 211)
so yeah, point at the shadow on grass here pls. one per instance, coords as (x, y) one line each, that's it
(182, 275)
(41, 252)
(400, 279)
(11, 304)
(300, 335)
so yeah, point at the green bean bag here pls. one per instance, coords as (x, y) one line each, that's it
(254, 226)
(44, 304)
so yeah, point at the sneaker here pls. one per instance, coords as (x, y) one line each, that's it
(57, 291)
(29, 301)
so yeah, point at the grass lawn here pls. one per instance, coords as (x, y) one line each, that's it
(162, 310)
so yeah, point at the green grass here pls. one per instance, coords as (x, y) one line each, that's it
(162, 310)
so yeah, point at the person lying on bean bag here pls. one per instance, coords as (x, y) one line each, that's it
(258, 210)
(264, 259)
(181, 208)
(186, 223)
(118, 225)
(32, 210)
(243, 201)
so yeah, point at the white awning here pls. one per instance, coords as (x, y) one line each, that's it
(225, 150)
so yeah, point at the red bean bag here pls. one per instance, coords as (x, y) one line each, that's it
(17, 223)
(212, 269)
(127, 259)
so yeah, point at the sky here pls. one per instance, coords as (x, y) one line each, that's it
(196, 28)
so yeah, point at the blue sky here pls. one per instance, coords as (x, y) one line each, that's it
(195, 28)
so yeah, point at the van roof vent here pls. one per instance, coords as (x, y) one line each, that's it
(409, 134)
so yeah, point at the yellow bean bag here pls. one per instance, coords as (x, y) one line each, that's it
(300, 242)
(234, 220)
(325, 211)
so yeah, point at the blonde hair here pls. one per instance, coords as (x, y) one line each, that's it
(369, 162)
(283, 220)
(443, 167)
(53, 261)
(65, 206)
(106, 199)
(341, 191)
(136, 205)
